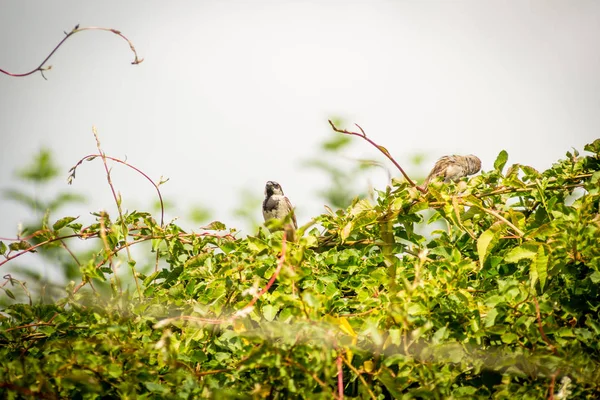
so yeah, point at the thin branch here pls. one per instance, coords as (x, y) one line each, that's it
(498, 216)
(364, 382)
(45, 242)
(33, 324)
(31, 236)
(118, 203)
(540, 328)
(552, 384)
(380, 148)
(64, 246)
(280, 263)
(211, 372)
(340, 376)
(306, 371)
(75, 30)
(91, 157)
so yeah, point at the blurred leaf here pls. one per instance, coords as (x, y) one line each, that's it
(199, 214)
(23, 198)
(336, 143)
(41, 170)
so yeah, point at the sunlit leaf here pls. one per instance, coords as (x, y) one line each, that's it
(500, 161)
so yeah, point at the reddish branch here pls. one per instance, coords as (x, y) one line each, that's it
(552, 385)
(382, 149)
(280, 263)
(75, 30)
(45, 242)
(49, 322)
(340, 376)
(540, 328)
(91, 157)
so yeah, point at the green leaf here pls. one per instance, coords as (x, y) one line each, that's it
(346, 231)
(156, 387)
(525, 251)
(269, 312)
(541, 266)
(501, 161)
(509, 337)
(485, 243)
(490, 318)
(61, 223)
(593, 147)
(390, 383)
(3, 248)
(215, 226)
(256, 245)
(20, 245)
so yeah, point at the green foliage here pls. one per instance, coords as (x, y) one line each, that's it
(40, 173)
(501, 303)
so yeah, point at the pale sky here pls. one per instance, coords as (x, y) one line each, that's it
(234, 93)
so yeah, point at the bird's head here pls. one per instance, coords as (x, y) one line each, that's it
(474, 164)
(272, 188)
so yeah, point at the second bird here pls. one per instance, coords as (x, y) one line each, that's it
(276, 205)
(452, 168)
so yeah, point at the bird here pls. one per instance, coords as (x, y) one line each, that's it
(452, 168)
(277, 206)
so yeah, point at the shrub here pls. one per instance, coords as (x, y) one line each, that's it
(501, 303)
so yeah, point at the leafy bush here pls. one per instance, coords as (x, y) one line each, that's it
(501, 303)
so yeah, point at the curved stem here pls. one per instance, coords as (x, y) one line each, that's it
(380, 148)
(75, 30)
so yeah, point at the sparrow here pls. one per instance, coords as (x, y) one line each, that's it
(452, 168)
(276, 205)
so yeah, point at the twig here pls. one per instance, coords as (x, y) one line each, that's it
(359, 313)
(498, 216)
(306, 371)
(340, 376)
(540, 328)
(91, 157)
(364, 382)
(118, 203)
(75, 30)
(552, 384)
(380, 148)
(33, 324)
(211, 372)
(45, 242)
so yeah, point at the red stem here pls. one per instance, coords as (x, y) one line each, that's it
(68, 35)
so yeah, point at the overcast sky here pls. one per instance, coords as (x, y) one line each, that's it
(232, 94)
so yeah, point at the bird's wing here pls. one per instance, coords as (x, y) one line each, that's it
(291, 210)
(439, 169)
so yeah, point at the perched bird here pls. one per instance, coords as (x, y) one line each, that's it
(276, 205)
(452, 168)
